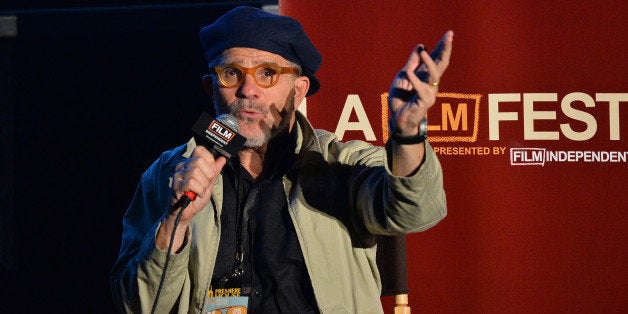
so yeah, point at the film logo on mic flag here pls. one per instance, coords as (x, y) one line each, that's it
(219, 136)
(220, 132)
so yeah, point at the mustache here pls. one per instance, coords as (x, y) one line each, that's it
(240, 105)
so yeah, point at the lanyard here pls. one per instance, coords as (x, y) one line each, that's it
(238, 270)
(238, 267)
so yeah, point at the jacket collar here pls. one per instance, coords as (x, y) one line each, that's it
(306, 136)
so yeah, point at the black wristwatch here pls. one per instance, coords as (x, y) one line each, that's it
(414, 139)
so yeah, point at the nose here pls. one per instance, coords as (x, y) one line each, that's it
(249, 88)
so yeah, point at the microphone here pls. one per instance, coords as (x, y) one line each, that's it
(220, 136)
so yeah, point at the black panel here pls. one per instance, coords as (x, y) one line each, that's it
(89, 97)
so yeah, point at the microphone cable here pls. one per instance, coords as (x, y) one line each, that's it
(182, 203)
(235, 141)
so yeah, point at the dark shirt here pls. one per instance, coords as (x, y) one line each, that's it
(274, 273)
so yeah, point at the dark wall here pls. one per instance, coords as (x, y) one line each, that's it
(90, 97)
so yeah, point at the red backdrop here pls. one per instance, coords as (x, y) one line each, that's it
(531, 130)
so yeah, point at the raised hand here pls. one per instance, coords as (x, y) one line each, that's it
(414, 89)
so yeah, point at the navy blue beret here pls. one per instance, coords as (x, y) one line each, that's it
(255, 28)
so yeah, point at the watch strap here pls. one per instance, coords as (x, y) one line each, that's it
(406, 140)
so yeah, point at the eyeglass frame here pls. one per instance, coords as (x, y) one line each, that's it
(278, 69)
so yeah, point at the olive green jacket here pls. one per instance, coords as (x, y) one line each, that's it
(340, 196)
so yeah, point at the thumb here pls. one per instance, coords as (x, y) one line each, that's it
(219, 163)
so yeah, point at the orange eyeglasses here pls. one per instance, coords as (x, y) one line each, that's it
(265, 75)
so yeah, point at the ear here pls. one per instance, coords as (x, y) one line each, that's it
(301, 86)
(208, 85)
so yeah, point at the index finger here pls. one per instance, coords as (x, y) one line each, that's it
(414, 61)
(204, 160)
(442, 52)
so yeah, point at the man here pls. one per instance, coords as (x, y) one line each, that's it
(289, 224)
